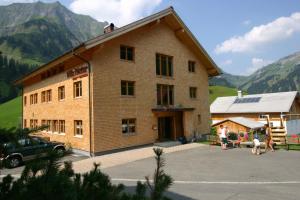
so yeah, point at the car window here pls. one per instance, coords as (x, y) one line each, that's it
(38, 141)
(24, 142)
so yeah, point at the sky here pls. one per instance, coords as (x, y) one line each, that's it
(240, 35)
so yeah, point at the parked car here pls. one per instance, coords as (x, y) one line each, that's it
(13, 154)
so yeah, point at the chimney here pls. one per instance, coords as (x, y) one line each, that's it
(109, 28)
(240, 94)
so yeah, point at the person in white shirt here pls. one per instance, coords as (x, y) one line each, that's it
(256, 145)
(223, 137)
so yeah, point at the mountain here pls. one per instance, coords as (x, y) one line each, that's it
(280, 76)
(82, 26)
(227, 80)
(32, 34)
(283, 75)
(37, 41)
(38, 32)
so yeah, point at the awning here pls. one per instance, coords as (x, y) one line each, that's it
(171, 109)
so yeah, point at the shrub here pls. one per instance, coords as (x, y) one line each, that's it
(45, 179)
(232, 136)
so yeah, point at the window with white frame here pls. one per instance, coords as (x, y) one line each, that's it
(128, 126)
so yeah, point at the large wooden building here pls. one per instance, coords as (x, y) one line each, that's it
(281, 111)
(130, 86)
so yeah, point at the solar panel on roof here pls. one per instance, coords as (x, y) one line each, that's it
(247, 100)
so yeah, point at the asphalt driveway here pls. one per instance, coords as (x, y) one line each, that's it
(210, 173)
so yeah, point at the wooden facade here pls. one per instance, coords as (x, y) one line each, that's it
(101, 118)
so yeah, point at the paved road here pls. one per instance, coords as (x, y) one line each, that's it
(17, 171)
(210, 173)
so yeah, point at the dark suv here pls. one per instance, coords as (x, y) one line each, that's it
(12, 155)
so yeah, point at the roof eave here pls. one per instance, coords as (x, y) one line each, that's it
(61, 58)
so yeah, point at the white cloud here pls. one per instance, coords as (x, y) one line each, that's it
(258, 63)
(226, 62)
(279, 29)
(120, 12)
(247, 22)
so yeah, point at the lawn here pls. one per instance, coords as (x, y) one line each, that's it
(221, 91)
(10, 113)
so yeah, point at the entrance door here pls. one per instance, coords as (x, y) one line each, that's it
(165, 128)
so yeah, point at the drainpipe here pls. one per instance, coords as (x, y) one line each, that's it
(22, 110)
(89, 85)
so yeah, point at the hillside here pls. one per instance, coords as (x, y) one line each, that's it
(283, 75)
(221, 91)
(82, 26)
(10, 113)
(32, 34)
(280, 76)
(38, 32)
(37, 41)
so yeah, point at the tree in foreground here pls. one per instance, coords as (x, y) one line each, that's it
(45, 179)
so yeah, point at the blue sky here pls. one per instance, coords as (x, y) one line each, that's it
(240, 35)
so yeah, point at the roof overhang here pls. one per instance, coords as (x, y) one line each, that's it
(69, 54)
(258, 125)
(171, 109)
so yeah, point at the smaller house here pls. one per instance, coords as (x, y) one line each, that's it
(239, 124)
(281, 111)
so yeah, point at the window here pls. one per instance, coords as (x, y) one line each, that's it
(61, 126)
(165, 95)
(61, 92)
(35, 123)
(49, 125)
(164, 65)
(31, 123)
(128, 126)
(199, 119)
(35, 98)
(77, 89)
(48, 95)
(127, 88)
(126, 53)
(31, 99)
(43, 97)
(78, 127)
(191, 66)
(55, 126)
(43, 122)
(263, 117)
(25, 100)
(193, 92)
(25, 124)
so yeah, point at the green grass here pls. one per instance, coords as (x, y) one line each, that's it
(10, 113)
(221, 91)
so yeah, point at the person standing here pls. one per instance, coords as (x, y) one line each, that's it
(268, 140)
(223, 137)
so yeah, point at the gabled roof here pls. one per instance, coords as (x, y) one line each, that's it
(243, 121)
(256, 103)
(173, 20)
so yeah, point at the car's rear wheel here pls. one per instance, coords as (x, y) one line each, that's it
(14, 162)
(60, 151)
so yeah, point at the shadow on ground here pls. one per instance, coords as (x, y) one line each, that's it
(170, 194)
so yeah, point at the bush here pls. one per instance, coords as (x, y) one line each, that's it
(45, 179)
(213, 131)
(232, 136)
